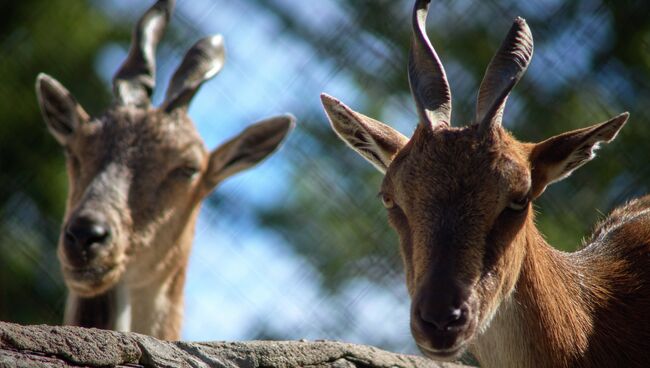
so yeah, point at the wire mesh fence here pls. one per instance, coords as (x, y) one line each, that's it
(299, 246)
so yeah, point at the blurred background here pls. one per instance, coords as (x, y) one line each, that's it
(299, 246)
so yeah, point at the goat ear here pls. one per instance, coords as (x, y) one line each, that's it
(556, 158)
(60, 110)
(375, 141)
(248, 148)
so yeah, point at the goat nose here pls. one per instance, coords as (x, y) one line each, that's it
(82, 232)
(443, 319)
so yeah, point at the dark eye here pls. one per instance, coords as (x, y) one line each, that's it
(387, 200)
(519, 205)
(185, 172)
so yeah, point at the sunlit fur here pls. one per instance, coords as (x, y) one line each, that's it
(529, 305)
(122, 165)
(143, 172)
(479, 274)
(452, 218)
(137, 175)
(126, 166)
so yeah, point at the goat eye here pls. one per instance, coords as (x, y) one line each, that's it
(185, 172)
(519, 204)
(387, 201)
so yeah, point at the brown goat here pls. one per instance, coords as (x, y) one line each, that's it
(480, 275)
(137, 175)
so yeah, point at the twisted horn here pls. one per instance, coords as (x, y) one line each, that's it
(134, 82)
(201, 62)
(504, 71)
(427, 77)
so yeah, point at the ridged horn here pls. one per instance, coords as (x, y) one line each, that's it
(134, 82)
(427, 77)
(504, 71)
(201, 62)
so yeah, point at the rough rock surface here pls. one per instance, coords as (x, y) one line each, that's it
(54, 346)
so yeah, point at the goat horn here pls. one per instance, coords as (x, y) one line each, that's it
(134, 82)
(201, 62)
(504, 71)
(427, 77)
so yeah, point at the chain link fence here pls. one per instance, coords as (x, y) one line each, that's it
(299, 246)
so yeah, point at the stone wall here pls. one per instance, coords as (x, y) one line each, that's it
(55, 346)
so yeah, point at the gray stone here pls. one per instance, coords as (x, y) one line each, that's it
(54, 346)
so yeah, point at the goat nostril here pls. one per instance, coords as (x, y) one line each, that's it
(444, 321)
(97, 233)
(456, 318)
(84, 232)
(69, 236)
(455, 314)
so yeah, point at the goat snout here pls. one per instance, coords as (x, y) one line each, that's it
(443, 318)
(84, 237)
(440, 317)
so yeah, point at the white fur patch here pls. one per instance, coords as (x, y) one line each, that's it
(123, 307)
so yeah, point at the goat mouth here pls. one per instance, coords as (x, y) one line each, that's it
(87, 272)
(91, 280)
(447, 345)
(447, 354)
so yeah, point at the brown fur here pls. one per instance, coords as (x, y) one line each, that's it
(479, 274)
(583, 309)
(141, 172)
(449, 192)
(151, 210)
(127, 165)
